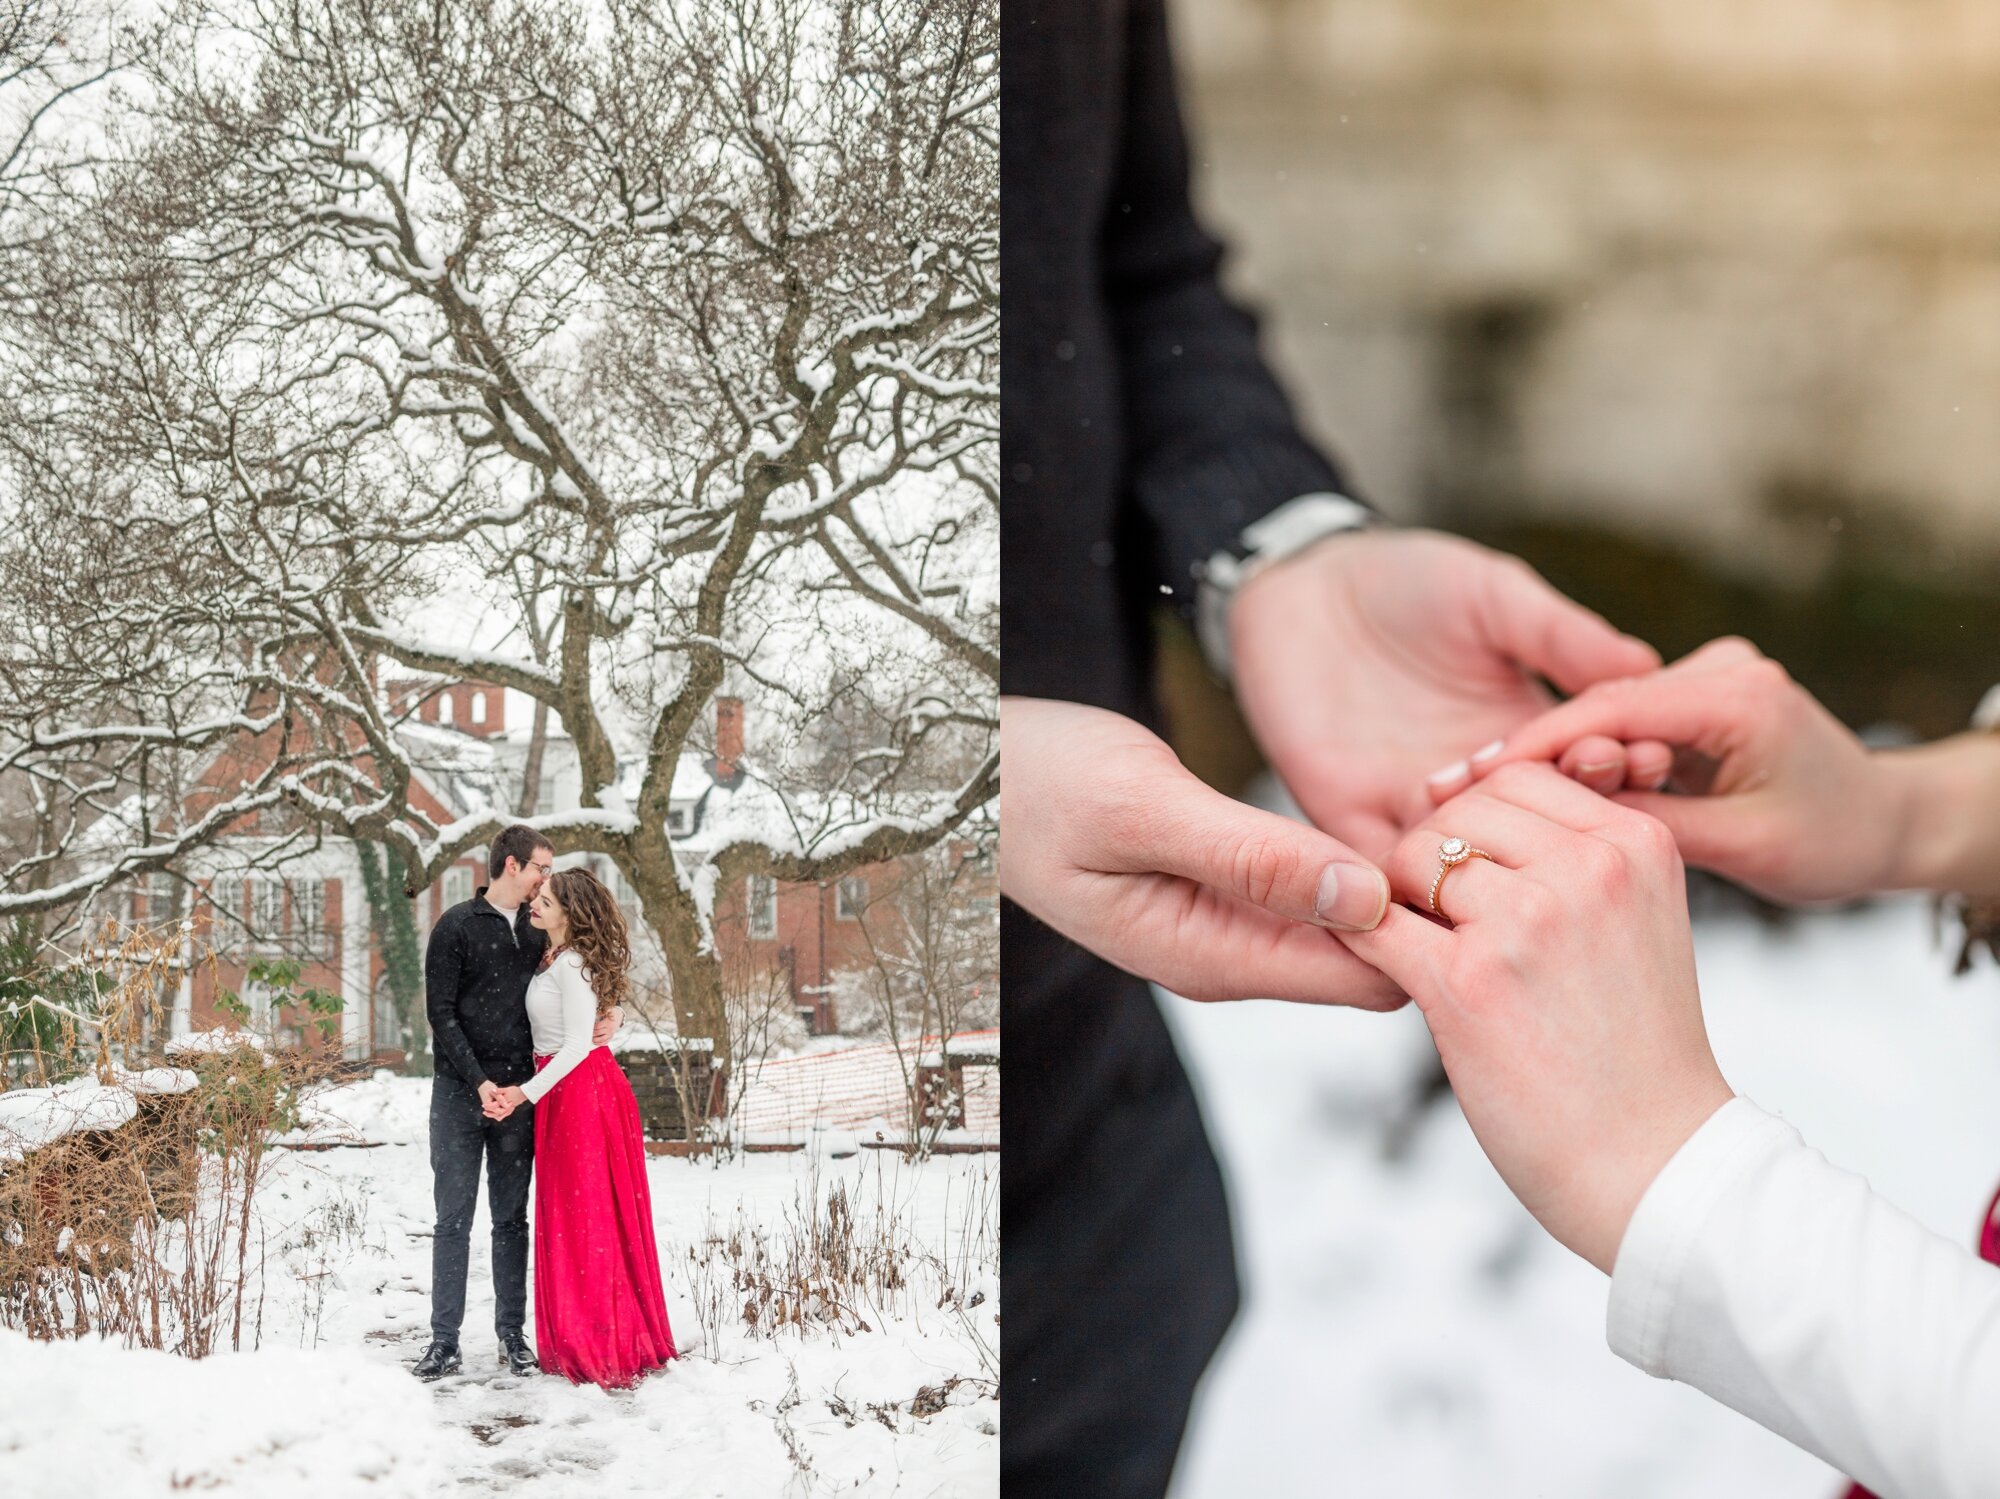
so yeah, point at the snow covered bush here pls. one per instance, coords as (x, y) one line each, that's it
(127, 1191)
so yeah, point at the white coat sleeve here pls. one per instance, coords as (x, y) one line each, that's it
(579, 1017)
(1788, 1290)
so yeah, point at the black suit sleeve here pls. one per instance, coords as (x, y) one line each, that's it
(443, 957)
(1212, 444)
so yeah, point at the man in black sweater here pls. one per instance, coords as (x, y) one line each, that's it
(480, 957)
(1147, 453)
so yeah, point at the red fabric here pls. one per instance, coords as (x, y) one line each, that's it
(1989, 1250)
(600, 1315)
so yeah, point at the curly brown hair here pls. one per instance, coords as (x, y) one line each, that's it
(597, 933)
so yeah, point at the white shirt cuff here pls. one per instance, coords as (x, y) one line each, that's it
(1646, 1277)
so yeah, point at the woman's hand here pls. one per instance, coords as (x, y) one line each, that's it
(504, 1102)
(1797, 808)
(1113, 843)
(1563, 999)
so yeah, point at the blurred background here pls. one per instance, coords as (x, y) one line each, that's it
(1696, 306)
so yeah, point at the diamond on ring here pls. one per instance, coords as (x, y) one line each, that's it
(1454, 850)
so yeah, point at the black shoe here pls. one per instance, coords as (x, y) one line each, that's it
(518, 1356)
(439, 1360)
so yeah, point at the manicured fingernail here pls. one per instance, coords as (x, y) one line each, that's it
(1457, 771)
(1597, 767)
(1351, 898)
(1486, 752)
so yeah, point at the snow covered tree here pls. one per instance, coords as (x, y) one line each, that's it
(665, 330)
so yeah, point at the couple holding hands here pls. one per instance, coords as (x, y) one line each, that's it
(1530, 898)
(1512, 864)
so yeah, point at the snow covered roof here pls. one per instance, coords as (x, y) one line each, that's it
(467, 773)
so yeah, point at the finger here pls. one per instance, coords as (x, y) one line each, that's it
(1595, 762)
(1444, 784)
(1409, 948)
(1648, 763)
(1547, 793)
(1556, 637)
(1670, 707)
(1206, 945)
(1724, 650)
(1287, 868)
(1477, 887)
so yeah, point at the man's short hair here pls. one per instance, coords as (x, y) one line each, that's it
(517, 843)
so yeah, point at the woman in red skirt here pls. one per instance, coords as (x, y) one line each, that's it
(600, 1315)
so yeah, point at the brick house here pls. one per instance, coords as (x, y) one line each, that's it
(311, 904)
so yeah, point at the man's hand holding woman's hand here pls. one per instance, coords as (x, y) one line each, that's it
(496, 1102)
(501, 1102)
(1111, 841)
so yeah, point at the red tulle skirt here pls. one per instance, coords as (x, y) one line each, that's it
(600, 1315)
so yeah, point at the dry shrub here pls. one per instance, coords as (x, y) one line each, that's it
(142, 1230)
(844, 1262)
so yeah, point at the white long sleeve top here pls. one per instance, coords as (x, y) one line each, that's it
(562, 1011)
(1788, 1290)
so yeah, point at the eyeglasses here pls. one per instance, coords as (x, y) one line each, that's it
(546, 869)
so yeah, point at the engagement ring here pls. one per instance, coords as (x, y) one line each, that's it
(1452, 853)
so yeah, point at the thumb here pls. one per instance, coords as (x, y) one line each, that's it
(1554, 636)
(1285, 867)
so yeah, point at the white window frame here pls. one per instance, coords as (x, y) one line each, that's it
(458, 885)
(845, 907)
(309, 916)
(266, 915)
(479, 708)
(760, 907)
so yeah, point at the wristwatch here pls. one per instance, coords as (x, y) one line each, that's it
(1285, 532)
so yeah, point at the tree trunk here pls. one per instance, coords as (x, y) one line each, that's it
(694, 967)
(531, 768)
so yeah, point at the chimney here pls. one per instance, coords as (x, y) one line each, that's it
(728, 736)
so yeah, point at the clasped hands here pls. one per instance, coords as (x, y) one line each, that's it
(497, 1101)
(1561, 994)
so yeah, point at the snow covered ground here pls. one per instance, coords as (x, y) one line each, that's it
(325, 1408)
(1408, 1330)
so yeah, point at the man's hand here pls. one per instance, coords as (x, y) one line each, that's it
(607, 1026)
(1114, 844)
(1373, 657)
(504, 1101)
(488, 1091)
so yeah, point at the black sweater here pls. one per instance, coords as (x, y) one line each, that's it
(1140, 432)
(476, 972)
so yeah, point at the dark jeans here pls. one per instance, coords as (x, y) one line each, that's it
(460, 1135)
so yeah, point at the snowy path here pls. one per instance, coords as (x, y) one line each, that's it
(1409, 1330)
(326, 1407)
